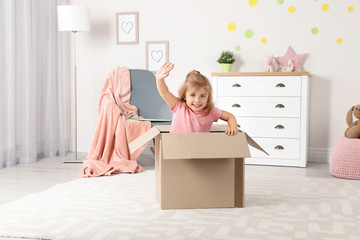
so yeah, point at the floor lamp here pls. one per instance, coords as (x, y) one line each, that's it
(74, 18)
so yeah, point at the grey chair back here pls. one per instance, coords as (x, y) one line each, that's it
(145, 96)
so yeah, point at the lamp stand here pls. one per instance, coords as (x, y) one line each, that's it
(75, 99)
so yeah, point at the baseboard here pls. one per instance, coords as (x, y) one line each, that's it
(319, 155)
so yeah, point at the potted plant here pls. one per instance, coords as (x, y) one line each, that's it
(226, 59)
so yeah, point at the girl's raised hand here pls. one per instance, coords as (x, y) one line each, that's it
(164, 70)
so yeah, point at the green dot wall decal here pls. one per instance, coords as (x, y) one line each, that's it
(280, 1)
(237, 48)
(249, 33)
(314, 30)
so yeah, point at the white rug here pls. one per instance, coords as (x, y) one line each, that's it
(125, 207)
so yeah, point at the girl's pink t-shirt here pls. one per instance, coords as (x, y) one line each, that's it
(186, 120)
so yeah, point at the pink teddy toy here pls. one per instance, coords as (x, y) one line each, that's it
(270, 65)
(289, 67)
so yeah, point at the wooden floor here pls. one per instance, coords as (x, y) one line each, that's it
(24, 179)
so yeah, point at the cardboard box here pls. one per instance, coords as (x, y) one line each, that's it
(198, 170)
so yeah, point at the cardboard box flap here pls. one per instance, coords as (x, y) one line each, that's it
(219, 128)
(154, 131)
(252, 143)
(163, 128)
(143, 139)
(204, 145)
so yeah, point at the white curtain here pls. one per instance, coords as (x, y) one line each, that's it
(31, 117)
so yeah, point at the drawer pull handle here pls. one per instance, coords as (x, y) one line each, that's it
(280, 85)
(279, 126)
(236, 85)
(279, 147)
(236, 105)
(279, 106)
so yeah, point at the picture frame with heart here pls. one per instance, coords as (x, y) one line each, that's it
(127, 28)
(157, 53)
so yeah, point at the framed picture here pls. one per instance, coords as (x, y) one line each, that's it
(157, 53)
(127, 28)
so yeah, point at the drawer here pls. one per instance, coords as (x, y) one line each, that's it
(261, 106)
(279, 148)
(270, 127)
(260, 86)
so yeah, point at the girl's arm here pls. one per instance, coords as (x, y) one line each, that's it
(231, 120)
(164, 92)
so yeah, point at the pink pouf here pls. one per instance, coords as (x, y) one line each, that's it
(345, 159)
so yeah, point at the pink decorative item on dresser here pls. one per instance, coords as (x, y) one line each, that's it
(270, 64)
(345, 159)
(296, 59)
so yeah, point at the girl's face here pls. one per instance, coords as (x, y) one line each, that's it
(196, 99)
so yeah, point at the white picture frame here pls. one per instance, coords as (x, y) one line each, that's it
(157, 53)
(127, 28)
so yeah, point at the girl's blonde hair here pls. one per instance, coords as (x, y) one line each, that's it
(196, 80)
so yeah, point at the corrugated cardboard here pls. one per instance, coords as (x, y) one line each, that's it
(198, 170)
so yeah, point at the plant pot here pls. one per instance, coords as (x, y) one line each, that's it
(226, 67)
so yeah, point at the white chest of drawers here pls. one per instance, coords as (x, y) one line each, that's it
(272, 108)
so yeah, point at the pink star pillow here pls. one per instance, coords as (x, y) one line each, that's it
(296, 58)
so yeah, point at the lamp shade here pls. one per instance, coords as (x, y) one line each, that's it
(73, 18)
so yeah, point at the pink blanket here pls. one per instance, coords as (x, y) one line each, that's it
(109, 152)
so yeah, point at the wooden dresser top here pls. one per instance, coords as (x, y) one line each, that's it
(260, 74)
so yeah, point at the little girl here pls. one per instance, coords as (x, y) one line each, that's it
(194, 110)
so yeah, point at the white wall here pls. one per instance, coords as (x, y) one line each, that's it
(198, 32)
